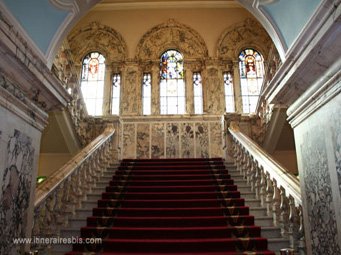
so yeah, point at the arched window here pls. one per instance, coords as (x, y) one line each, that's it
(116, 94)
(197, 90)
(146, 94)
(229, 95)
(92, 82)
(172, 84)
(251, 68)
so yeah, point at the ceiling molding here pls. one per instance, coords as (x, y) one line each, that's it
(138, 5)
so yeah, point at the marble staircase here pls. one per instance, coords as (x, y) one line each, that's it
(78, 220)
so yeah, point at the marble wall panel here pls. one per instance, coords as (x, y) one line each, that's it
(336, 138)
(172, 140)
(16, 182)
(318, 194)
(216, 140)
(128, 141)
(158, 140)
(142, 141)
(317, 139)
(187, 140)
(202, 140)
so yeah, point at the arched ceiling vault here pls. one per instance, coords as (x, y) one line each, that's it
(47, 23)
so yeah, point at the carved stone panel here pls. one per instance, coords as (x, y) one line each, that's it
(215, 139)
(187, 140)
(214, 92)
(202, 140)
(130, 92)
(318, 194)
(128, 141)
(171, 35)
(249, 33)
(157, 140)
(172, 140)
(98, 37)
(142, 141)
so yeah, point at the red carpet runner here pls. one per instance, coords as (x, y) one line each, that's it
(172, 206)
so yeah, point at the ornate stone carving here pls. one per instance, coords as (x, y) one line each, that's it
(214, 91)
(101, 38)
(246, 34)
(171, 35)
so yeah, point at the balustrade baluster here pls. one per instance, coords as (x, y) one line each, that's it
(262, 190)
(284, 216)
(276, 211)
(269, 195)
(253, 168)
(248, 169)
(257, 181)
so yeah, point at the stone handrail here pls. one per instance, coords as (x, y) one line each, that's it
(278, 190)
(62, 193)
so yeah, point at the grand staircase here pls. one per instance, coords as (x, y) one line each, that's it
(173, 206)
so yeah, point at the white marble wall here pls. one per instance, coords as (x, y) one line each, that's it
(171, 137)
(19, 148)
(317, 130)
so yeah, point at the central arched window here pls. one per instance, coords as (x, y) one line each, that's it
(251, 68)
(92, 82)
(172, 84)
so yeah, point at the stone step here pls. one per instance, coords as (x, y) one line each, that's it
(264, 221)
(271, 232)
(258, 211)
(244, 188)
(77, 222)
(276, 244)
(252, 202)
(83, 213)
(247, 194)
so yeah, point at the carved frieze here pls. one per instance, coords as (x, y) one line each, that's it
(171, 35)
(98, 37)
(249, 33)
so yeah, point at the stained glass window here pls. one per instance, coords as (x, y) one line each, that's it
(229, 96)
(251, 68)
(115, 99)
(172, 85)
(197, 89)
(147, 93)
(92, 82)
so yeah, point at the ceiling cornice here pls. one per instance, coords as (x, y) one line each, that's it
(138, 5)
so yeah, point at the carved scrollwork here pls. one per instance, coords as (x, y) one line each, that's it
(98, 37)
(171, 35)
(249, 33)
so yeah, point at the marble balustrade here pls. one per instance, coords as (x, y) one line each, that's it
(59, 196)
(278, 190)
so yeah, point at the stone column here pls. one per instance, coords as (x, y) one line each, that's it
(107, 91)
(155, 110)
(236, 88)
(131, 90)
(189, 91)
